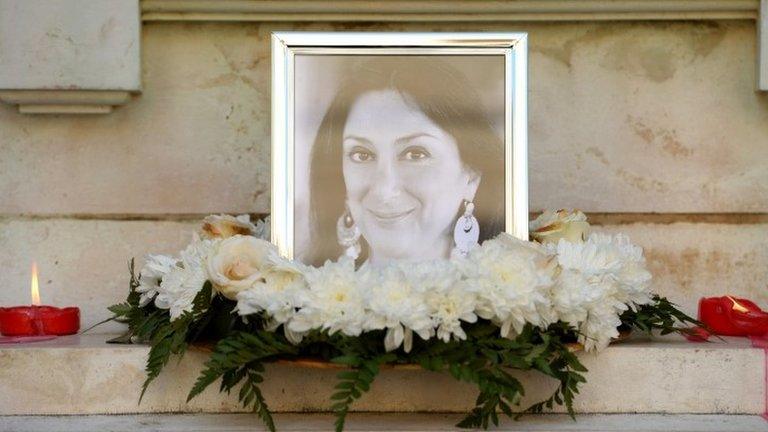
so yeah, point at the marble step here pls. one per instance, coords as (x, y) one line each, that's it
(83, 375)
(383, 422)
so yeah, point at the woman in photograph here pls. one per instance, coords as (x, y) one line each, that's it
(405, 163)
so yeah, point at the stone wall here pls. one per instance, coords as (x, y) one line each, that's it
(655, 128)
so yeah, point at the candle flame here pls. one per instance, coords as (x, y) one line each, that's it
(35, 286)
(737, 306)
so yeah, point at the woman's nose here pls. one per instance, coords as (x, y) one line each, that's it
(386, 183)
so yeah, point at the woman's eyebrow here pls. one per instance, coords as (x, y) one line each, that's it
(413, 136)
(358, 138)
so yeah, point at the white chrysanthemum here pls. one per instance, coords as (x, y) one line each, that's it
(512, 279)
(600, 279)
(601, 326)
(155, 269)
(278, 295)
(572, 296)
(333, 302)
(590, 258)
(397, 303)
(179, 287)
(449, 301)
(450, 308)
(612, 256)
(589, 304)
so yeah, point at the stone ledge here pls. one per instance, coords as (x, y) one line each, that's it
(383, 422)
(65, 101)
(82, 375)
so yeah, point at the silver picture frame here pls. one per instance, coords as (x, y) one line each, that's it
(286, 45)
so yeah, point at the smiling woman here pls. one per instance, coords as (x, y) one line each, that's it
(406, 162)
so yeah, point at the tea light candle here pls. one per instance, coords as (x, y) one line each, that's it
(37, 320)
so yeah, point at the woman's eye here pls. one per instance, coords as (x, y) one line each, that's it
(361, 156)
(415, 154)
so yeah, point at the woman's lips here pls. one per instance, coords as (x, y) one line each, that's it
(390, 217)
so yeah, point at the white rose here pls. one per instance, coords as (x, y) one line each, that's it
(225, 226)
(237, 263)
(550, 226)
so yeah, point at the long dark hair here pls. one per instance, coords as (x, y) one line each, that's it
(445, 96)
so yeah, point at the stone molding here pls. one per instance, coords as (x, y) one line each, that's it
(65, 101)
(445, 10)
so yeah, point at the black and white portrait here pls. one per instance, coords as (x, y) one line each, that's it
(396, 155)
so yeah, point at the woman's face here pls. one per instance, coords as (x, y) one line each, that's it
(404, 177)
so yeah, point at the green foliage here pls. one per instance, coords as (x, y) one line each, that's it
(661, 315)
(142, 322)
(239, 357)
(251, 375)
(168, 337)
(354, 382)
(239, 350)
(484, 358)
(250, 394)
(565, 368)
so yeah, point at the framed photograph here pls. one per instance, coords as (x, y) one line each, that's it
(397, 146)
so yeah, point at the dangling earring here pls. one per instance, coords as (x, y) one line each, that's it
(466, 232)
(348, 235)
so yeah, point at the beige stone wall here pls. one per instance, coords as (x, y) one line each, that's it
(636, 118)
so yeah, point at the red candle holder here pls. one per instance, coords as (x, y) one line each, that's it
(733, 316)
(39, 320)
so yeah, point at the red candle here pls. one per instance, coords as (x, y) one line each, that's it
(733, 316)
(38, 320)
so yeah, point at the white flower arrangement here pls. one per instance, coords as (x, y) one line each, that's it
(512, 283)
(174, 282)
(509, 305)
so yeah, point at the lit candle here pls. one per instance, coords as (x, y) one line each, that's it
(37, 320)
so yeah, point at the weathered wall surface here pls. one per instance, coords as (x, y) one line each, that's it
(642, 117)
